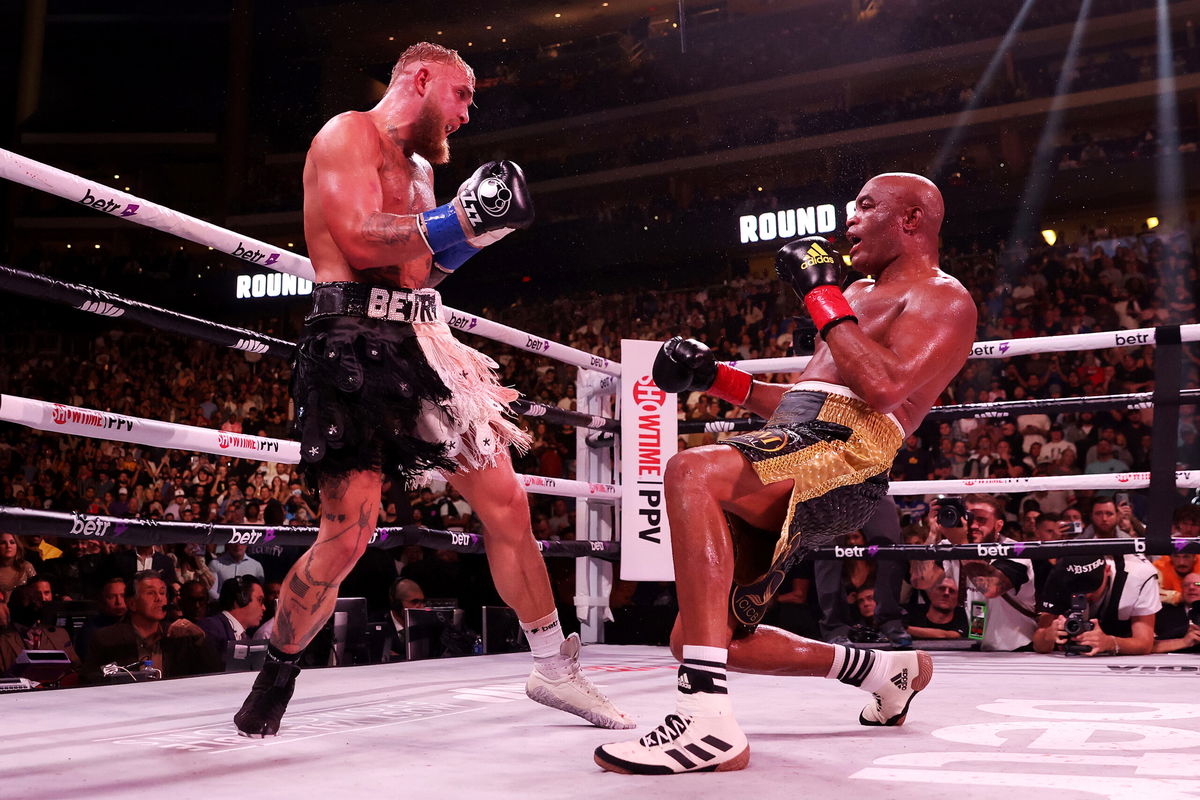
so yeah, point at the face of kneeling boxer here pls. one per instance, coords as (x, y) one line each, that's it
(891, 213)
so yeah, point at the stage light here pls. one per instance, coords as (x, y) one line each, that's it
(1050, 236)
(846, 259)
(1151, 222)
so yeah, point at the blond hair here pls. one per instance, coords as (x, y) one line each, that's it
(424, 52)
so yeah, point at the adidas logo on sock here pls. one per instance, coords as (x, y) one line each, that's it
(684, 683)
(901, 679)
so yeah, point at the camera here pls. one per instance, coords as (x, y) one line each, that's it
(1077, 622)
(952, 512)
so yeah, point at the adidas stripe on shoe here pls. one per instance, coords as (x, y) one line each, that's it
(908, 673)
(680, 744)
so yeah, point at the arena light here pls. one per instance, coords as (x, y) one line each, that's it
(1151, 223)
(1050, 235)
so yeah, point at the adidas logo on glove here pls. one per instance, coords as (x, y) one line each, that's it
(816, 254)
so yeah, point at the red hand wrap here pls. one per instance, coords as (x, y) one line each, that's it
(732, 384)
(827, 306)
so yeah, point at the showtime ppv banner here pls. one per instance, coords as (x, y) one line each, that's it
(649, 429)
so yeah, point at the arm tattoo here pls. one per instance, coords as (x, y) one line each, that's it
(389, 229)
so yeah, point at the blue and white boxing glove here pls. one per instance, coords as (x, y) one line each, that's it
(494, 201)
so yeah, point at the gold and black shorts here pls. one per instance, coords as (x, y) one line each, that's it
(838, 451)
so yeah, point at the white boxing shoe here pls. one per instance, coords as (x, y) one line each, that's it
(681, 744)
(908, 673)
(559, 683)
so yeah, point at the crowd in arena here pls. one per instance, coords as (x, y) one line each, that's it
(1105, 283)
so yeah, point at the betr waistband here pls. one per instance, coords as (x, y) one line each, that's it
(352, 299)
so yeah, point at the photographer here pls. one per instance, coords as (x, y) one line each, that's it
(1099, 605)
(999, 592)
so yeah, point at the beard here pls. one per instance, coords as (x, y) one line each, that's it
(429, 136)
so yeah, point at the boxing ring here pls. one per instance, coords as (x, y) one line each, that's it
(1049, 727)
(988, 721)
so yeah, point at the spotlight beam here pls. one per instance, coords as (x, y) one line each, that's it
(955, 136)
(1042, 167)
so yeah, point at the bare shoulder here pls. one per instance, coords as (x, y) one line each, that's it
(945, 292)
(423, 165)
(351, 130)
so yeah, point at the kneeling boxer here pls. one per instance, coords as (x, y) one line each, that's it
(744, 510)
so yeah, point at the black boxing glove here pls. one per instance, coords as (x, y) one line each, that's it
(684, 365)
(815, 270)
(494, 198)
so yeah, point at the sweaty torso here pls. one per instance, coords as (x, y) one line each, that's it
(407, 188)
(877, 308)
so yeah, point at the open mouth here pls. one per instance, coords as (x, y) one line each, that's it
(855, 241)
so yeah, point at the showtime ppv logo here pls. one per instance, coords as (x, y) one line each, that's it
(68, 415)
(226, 440)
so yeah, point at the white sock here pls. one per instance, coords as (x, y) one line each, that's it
(859, 666)
(702, 690)
(545, 635)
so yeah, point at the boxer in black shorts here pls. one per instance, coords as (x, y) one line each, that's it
(889, 346)
(381, 385)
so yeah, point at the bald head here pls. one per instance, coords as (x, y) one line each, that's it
(914, 193)
(897, 218)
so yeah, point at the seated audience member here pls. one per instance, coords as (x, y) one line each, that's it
(242, 608)
(232, 563)
(1121, 597)
(127, 563)
(10, 640)
(1111, 521)
(35, 616)
(193, 600)
(404, 594)
(143, 635)
(1172, 570)
(15, 569)
(943, 618)
(1000, 591)
(1177, 627)
(110, 607)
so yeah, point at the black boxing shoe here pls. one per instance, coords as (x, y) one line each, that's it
(261, 713)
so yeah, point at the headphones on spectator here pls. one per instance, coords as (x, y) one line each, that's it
(236, 592)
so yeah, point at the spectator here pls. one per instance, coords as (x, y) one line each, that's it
(14, 569)
(144, 636)
(193, 600)
(404, 594)
(943, 617)
(1122, 599)
(1177, 627)
(110, 605)
(127, 563)
(35, 618)
(1106, 521)
(1000, 592)
(10, 640)
(232, 563)
(242, 607)
(1172, 571)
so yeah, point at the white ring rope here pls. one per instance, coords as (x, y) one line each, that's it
(97, 196)
(92, 424)
(1184, 479)
(1101, 340)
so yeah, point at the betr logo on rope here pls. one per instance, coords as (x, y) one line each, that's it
(108, 206)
